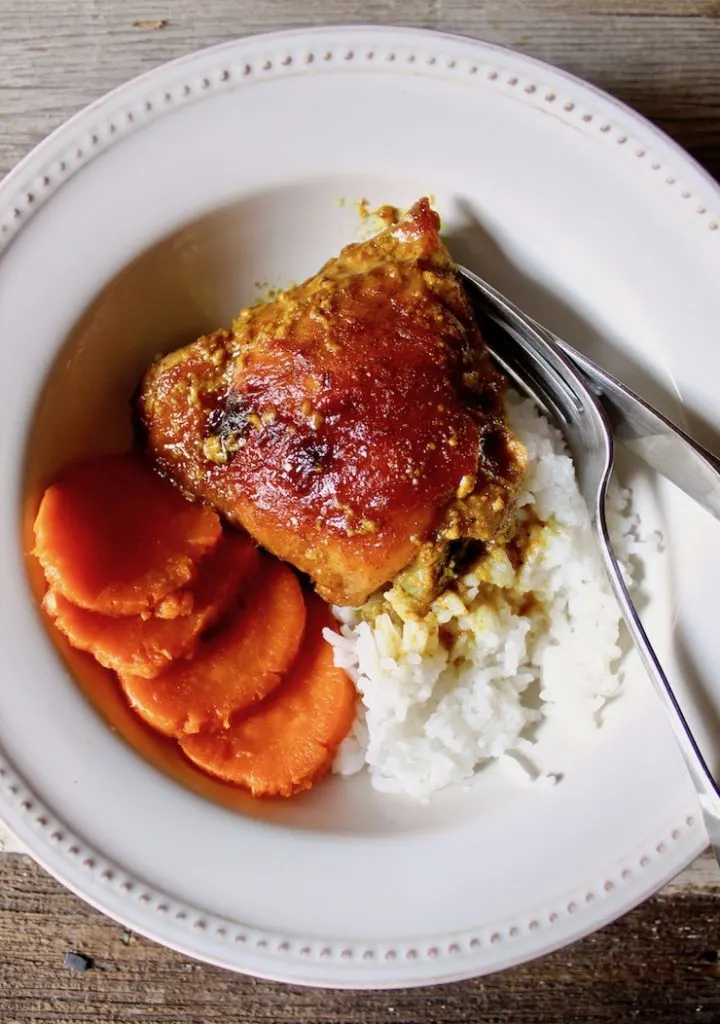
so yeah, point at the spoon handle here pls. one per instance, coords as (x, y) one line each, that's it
(645, 431)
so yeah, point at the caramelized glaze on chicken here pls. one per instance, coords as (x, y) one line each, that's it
(354, 426)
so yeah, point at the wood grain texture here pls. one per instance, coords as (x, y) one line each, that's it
(703, 875)
(658, 964)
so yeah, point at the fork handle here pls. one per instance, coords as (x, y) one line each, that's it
(705, 784)
(672, 452)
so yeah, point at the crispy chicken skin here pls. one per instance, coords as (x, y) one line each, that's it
(354, 426)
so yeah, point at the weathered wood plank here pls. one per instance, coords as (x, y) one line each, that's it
(659, 963)
(702, 876)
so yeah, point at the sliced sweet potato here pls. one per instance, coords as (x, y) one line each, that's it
(285, 745)
(115, 538)
(146, 646)
(240, 665)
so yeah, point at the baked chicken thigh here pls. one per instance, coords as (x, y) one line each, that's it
(354, 426)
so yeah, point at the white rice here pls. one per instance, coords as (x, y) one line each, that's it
(432, 712)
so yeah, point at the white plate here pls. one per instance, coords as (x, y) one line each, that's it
(148, 218)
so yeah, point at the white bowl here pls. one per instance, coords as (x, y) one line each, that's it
(154, 216)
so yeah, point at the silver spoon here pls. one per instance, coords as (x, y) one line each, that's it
(538, 363)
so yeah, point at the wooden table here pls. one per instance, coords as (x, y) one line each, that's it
(662, 961)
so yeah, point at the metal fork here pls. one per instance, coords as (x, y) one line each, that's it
(534, 359)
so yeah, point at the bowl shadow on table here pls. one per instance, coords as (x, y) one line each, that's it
(474, 246)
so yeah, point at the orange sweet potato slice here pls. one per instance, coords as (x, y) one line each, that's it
(240, 665)
(115, 538)
(146, 646)
(289, 742)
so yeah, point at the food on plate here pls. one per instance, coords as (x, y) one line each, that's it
(146, 645)
(113, 537)
(354, 426)
(291, 739)
(233, 669)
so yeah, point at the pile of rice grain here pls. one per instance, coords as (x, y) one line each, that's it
(505, 649)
